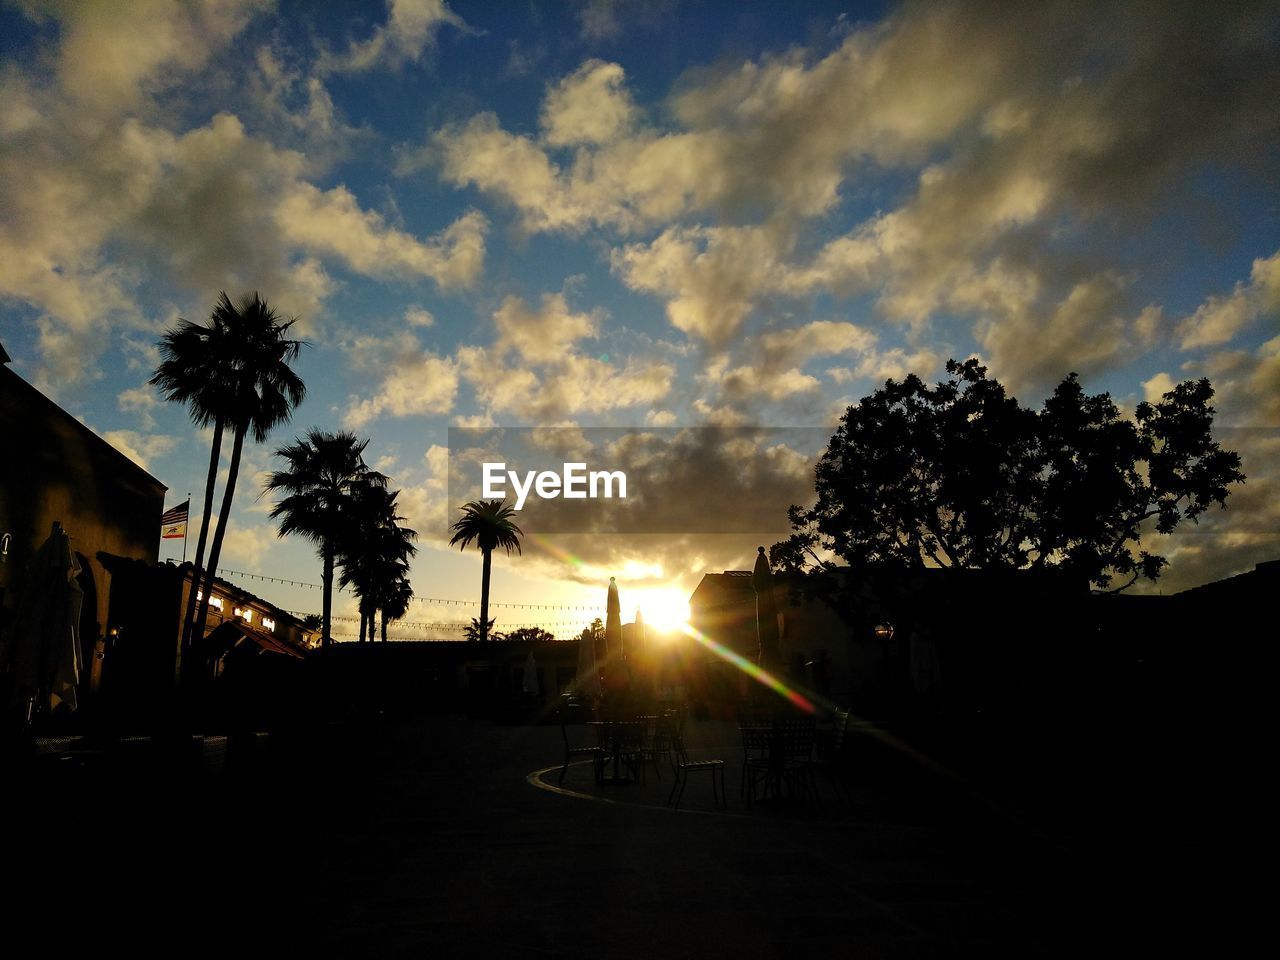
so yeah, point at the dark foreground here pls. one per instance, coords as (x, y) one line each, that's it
(417, 837)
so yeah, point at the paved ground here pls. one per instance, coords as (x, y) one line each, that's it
(429, 836)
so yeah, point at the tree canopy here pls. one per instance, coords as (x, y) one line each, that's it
(960, 475)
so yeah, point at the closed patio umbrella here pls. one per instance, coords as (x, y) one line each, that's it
(766, 612)
(613, 625)
(588, 672)
(529, 682)
(45, 649)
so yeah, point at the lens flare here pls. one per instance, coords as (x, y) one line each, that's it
(755, 672)
(547, 545)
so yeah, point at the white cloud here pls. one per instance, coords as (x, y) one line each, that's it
(417, 383)
(1219, 319)
(247, 546)
(331, 222)
(112, 55)
(141, 201)
(410, 29)
(141, 448)
(543, 335)
(1157, 387)
(418, 317)
(139, 400)
(590, 106)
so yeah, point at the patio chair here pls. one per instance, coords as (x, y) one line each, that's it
(756, 739)
(797, 738)
(574, 750)
(833, 759)
(685, 766)
(653, 744)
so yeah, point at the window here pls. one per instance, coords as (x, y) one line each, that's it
(215, 602)
(244, 613)
(269, 624)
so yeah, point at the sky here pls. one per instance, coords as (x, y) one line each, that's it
(644, 215)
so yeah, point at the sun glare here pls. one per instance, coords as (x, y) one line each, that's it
(664, 608)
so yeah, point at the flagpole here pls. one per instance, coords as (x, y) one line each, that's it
(184, 528)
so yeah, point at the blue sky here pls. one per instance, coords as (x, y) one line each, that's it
(641, 214)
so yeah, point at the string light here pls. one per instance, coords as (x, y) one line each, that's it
(432, 601)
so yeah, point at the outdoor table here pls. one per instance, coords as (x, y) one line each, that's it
(787, 745)
(620, 740)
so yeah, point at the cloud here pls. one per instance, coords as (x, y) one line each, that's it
(415, 381)
(247, 546)
(1157, 387)
(332, 222)
(590, 106)
(418, 317)
(139, 400)
(710, 277)
(551, 379)
(112, 56)
(543, 335)
(410, 29)
(141, 448)
(1220, 319)
(996, 162)
(424, 500)
(143, 201)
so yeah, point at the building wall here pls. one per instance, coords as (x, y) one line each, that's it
(53, 468)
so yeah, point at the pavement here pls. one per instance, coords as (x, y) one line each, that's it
(451, 835)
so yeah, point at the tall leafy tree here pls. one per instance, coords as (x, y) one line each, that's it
(233, 372)
(960, 475)
(487, 524)
(530, 633)
(318, 487)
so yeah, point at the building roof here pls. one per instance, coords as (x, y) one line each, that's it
(1262, 580)
(279, 613)
(10, 380)
(266, 642)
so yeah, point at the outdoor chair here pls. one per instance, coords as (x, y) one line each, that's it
(833, 758)
(629, 737)
(653, 745)
(667, 733)
(573, 751)
(777, 758)
(685, 766)
(798, 737)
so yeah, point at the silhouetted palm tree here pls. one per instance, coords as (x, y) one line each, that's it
(234, 373)
(376, 554)
(191, 371)
(472, 630)
(262, 392)
(395, 603)
(488, 523)
(322, 474)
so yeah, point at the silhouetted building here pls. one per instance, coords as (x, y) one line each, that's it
(243, 634)
(55, 469)
(886, 640)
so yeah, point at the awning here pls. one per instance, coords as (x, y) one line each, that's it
(228, 634)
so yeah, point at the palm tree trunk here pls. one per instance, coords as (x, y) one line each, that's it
(224, 514)
(484, 597)
(188, 617)
(384, 626)
(326, 581)
(364, 623)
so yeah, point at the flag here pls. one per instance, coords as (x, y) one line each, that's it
(173, 524)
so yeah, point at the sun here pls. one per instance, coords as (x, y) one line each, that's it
(664, 608)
